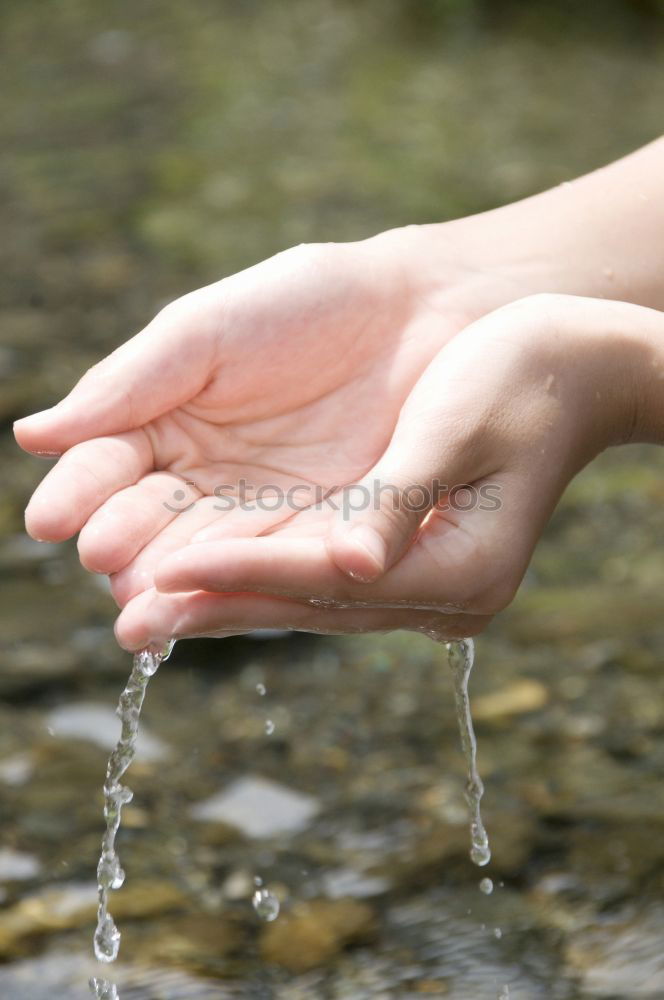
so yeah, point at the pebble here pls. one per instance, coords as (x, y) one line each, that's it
(15, 866)
(74, 905)
(312, 933)
(342, 882)
(526, 695)
(620, 958)
(258, 807)
(16, 770)
(98, 724)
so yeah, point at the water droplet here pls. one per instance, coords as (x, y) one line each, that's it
(266, 905)
(109, 873)
(107, 940)
(261, 690)
(258, 880)
(486, 886)
(497, 933)
(101, 989)
(480, 854)
(269, 727)
(147, 662)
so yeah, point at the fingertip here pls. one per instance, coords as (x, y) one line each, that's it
(95, 559)
(102, 547)
(49, 433)
(132, 628)
(34, 420)
(45, 525)
(128, 639)
(359, 552)
(35, 433)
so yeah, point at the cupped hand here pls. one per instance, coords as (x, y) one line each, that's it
(487, 440)
(287, 376)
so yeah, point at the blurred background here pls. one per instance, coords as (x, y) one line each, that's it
(149, 148)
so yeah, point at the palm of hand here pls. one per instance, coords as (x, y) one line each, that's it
(290, 373)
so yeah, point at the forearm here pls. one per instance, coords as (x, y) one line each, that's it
(601, 235)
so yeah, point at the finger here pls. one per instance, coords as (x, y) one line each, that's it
(151, 373)
(204, 518)
(119, 529)
(154, 617)
(470, 559)
(82, 480)
(296, 567)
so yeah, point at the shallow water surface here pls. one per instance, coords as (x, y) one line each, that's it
(146, 153)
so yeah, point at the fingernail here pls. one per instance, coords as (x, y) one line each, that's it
(371, 542)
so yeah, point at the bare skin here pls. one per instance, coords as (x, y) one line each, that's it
(332, 363)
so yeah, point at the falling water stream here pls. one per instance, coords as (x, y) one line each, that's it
(109, 872)
(461, 655)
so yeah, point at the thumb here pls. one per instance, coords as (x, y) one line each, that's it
(440, 444)
(380, 516)
(158, 369)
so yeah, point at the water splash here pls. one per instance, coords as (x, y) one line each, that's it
(109, 871)
(461, 655)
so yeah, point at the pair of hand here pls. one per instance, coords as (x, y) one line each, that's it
(203, 460)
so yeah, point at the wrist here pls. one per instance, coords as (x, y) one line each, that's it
(610, 356)
(527, 248)
(646, 352)
(460, 269)
(598, 236)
